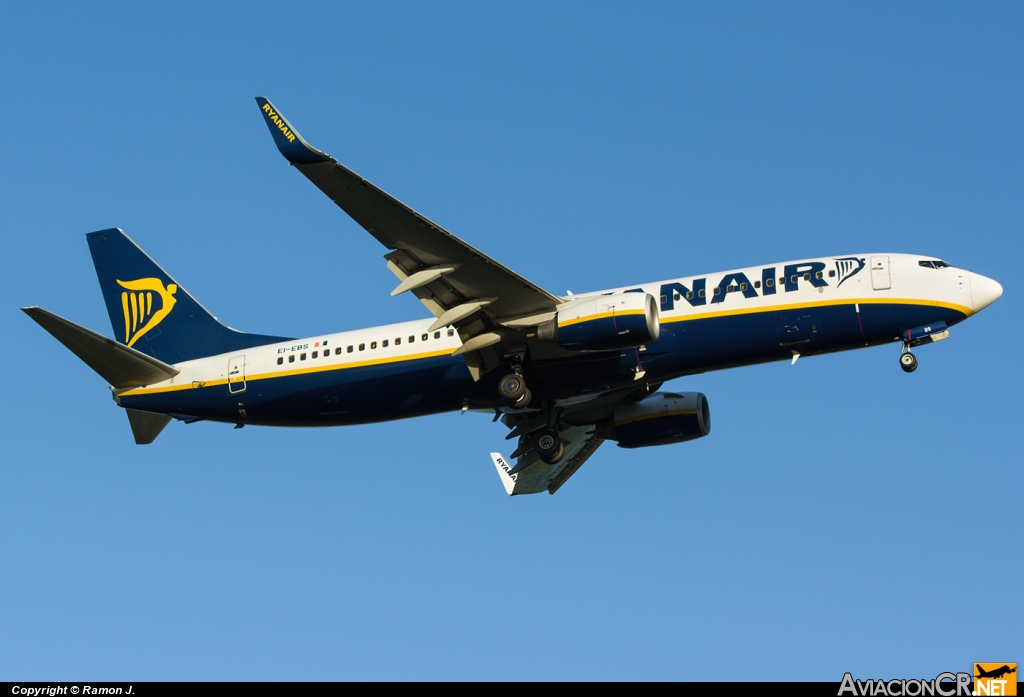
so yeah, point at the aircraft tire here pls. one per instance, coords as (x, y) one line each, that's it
(512, 387)
(908, 362)
(548, 445)
(524, 399)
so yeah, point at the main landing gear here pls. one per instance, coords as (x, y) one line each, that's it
(513, 387)
(514, 390)
(548, 445)
(908, 361)
(546, 439)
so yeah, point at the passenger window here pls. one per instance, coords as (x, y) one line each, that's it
(280, 360)
(362, 347)
(337, 351)
(716, 290)
(664, 299)
(349, 349)
(689, 295)
(424, 337)
(412, 339)
(832, 273)
(792, 279)
(700, 293)
(676, 296)
(818, 275)
(315, 354)
(437, 335)
(302, 357)
(782, 279)
(398, 341)
(769, 282)
(384, 344)
(291, 358)
(373, 344)
(757, 284)
(451, 332)
(807, 276)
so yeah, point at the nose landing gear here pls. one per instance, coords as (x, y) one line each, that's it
(908, 361)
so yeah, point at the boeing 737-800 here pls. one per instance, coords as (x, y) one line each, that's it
(564, 373)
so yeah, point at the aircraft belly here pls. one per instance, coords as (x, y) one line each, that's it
(701, 345)
(330, 397)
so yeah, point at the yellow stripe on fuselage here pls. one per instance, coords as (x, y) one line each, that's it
(286, 373)
(818, 303)
(600, 315)
(445, 352)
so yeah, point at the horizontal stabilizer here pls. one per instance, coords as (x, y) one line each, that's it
(116, 363)
(146, 425)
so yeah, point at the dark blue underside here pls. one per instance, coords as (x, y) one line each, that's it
(676, 428)
(433, 385)
(606, 333)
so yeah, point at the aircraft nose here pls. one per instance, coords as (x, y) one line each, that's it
(984, 291)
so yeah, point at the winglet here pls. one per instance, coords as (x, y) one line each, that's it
(509, 481)
(288, 141)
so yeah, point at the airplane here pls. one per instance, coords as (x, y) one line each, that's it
(563, 373)
(994, 673)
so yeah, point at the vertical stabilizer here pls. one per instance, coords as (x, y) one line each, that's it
(151, 312)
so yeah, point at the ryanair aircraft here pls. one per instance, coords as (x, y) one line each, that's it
(563, 373)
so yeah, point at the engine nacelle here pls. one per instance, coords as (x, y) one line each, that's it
(661, 419)
(604, 323)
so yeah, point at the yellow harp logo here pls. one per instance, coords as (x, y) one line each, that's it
(137, 302)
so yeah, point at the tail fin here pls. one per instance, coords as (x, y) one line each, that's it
(151, 312)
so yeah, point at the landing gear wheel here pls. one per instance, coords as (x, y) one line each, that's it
(908, 362)
(548, 445)
(524, 400)
(512, 387)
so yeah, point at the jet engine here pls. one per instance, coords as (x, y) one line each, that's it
(661, 419)
(605, 323)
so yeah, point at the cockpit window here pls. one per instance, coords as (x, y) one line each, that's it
(934, 264)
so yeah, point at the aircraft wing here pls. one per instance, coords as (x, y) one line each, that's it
(531, 475)
(454, 280)
(580, 428)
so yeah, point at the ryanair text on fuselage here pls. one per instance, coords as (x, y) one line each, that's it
(737, 281)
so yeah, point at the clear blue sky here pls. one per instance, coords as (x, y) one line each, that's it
(841, 516)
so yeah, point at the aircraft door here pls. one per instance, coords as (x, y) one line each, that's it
(880, 279)
(236, 374)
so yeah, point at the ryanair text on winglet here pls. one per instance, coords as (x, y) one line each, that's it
(272, 115)
(944, 685)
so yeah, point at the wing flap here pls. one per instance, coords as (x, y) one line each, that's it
(531, 475)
